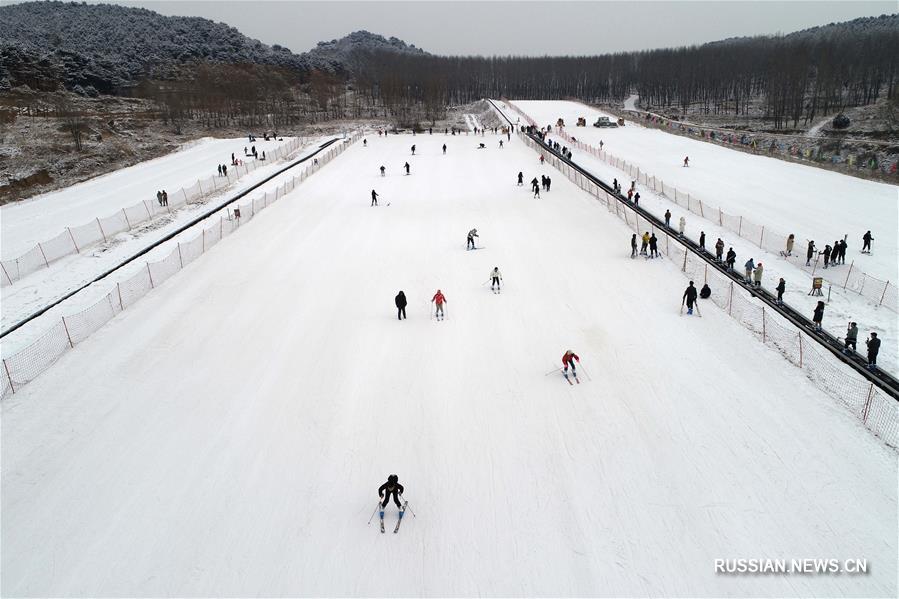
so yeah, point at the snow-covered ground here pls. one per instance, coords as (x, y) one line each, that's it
(31, 293)
(812, 203)
(26, 223)
(226, 435)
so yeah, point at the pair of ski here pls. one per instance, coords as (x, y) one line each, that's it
(396, 529)
(496, 290)
(573, 375)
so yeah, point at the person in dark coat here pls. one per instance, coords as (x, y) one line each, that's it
(634, 245)
(668, 218)
(702, 240)
(391, 488)
(826, 254)
(653, 246)
(690, 297)
(374, 197)
(520, 178)
(809, 252)
(705, 292)
(731, 258)
(781, 287)
(406, 166)
(719, 250)
(866, 242)
(873, 348)
(818, 315)
(400, 301)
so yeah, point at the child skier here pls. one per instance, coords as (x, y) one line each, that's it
(439, 299)
(495, 278)
(471, 235)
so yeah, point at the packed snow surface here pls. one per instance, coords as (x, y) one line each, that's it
(226, 435)
(794, 198)
(27, 223)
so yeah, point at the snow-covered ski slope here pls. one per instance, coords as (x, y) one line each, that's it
(226, 435)
(794, 198)
(45, 216)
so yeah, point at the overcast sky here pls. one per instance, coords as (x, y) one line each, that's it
(524, 28)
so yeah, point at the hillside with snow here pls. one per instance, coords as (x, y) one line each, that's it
(227, 434)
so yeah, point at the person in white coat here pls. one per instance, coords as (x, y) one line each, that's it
(495, 277)
(680, 226)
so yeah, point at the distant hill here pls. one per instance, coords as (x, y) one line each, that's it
(856, 27)
(101, 48)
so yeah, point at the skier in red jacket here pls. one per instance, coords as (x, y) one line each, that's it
(439, 299)
(568, 359)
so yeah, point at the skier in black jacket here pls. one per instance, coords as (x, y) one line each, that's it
(400, 301)
(391, 487)
(873, 348)
(690, 297)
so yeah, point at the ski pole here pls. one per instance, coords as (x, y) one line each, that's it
(374, 512)
(407, 505)
(556, 369)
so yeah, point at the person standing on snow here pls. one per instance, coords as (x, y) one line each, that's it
(866, 249)
(644, 243)
(851, 337)
(826, 254)
(383, 170)
(809, 252)
(686, 161)
(439, 299)
(568, 359)
(653, 246)
(444, 148)
(541, 159)
(790, 241)
(374, 198)
(634, 245)
(406, 166)
(471, 235)
(873, 348)
(495, 277)
(400, 301)
(536, 188)
(520, 178)
(689, 297)
(549, 183)
(413, 150)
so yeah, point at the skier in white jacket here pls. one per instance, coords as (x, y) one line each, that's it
(495, 277)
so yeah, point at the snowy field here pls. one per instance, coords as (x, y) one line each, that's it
(842, 305)
(812, 203)
(226, 435)
(29, 222)
(34, 291)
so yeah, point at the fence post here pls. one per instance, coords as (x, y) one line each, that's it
(800, 349)
(101, 230)
(764, 330)
(9, 377)
(730, 299)
(867, 404)
(883, 295)
(66, 327)
(705, 278)
(118, 287)
(150, 275)
(73, 240)
(204, 242)
(8, 279)
(700, 209)
(43, 254)
(846, 282)
(720, 218)
(684, 269)
(127, 222)
(762, 236)
(740, 230)
(180, 260)
(200, 186)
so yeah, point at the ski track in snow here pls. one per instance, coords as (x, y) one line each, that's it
(226, 434)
